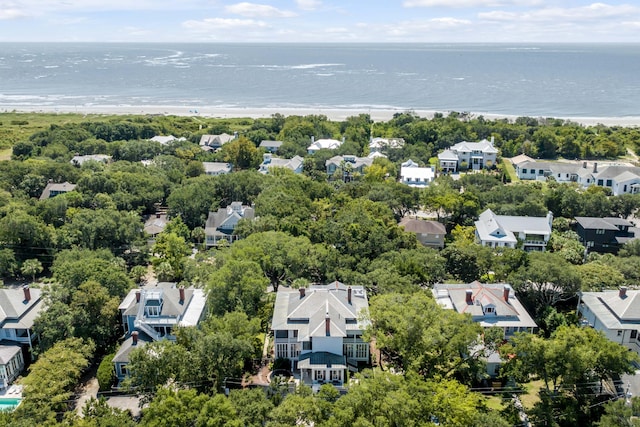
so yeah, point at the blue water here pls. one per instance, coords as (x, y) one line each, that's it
(561, 80)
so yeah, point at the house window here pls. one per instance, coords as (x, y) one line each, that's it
(634, 334)
(281, 350)
(489, 310)
(153, 310)
(600, 182)
(541, 172)
(590, 244)
(619, 333)
(609, 183)
(600, 231)
(347, 349)
(295, 333)
(123, 370)
(282, 334)
(335, 375)
(307, 345)
(319, 375)
(624, 189)
(361, 351)
(524, 171)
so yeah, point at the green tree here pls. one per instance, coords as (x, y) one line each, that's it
(237, 285)
(31, 267)
(172, 249)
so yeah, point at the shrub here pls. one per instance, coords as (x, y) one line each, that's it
(106, 374)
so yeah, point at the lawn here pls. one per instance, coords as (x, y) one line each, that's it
(532, 396)
(509, 170)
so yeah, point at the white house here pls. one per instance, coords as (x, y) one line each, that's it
(323, 144)
(476, 155)
(164, 140)
(80, 160)
(221, 224)
(497, 231)
(217, 168)
(18, 310)
(490, 305)
(614, 312)
(414, 175)
(270, 146)
(619, 178)
(214, 142)
(294, 164)
(319, 329)
(152, 314)
(11, 364)
(378, 144)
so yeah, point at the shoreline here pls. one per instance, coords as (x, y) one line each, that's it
(334, 114)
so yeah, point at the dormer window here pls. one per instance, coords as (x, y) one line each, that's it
(153, 310)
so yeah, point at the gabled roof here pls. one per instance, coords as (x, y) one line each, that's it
(448, 155)
(324, 143)
(270, 144)
(613, 171)
(155, 224)
(421, 226)
(489, 228)
(615, 309)
(293, 163)
(16, 311)
(216, 140)
(355, 161)
(506, 312)
(521, 158)
(170, 297)
(8, 352)
(56, 187)
(492, 227)
(308, 313)
(164, 140)
(222, 216)
(485, 146)
(216, 167)
(601, 223)
(79, 160)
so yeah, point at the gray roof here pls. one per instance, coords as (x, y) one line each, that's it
(232, 213)
(422, 226)
(216, 167)
(122, 355)
(277, 162)
(485, 146)
(270, 144)
(308, 314)
(614, 311)
(57, 187)
(448, 155)
(322, 358)
(355, 161)
(507, 312)
(171, 306)
(155, 224)
(15, 311)
(8, 352)
(501, 228)
(216, 140)
(601, 223)
(613, 171)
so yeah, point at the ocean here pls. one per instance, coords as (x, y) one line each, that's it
(540, 80)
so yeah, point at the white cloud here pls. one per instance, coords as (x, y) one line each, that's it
(469, 3)
(253, 10)
(12, 13)
(592, 12)
(213, 24)
(308, 4)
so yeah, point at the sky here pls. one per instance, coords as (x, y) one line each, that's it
(437, 21)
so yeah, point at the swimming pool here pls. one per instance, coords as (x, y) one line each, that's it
(9, 403)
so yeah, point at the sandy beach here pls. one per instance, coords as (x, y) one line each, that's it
(335, 114)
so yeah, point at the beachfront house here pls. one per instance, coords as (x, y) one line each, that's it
(497, 231)
(378, 144)
(153, 314)
(214, 142)
(221, 224)
(468, 155)
(319, 330)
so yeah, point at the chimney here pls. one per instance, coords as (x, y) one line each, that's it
(343, 139)
(623, 292)
(27, 293)
(550, 218)
(302, 292)
(349, 295)
(492, 139)
(137, 296)
(134, 338)
(506, 293)
(584, 165)
(181, 294)
(313, 139)
(595, 167)
(469, 299)
(336, 290)
(327, 320)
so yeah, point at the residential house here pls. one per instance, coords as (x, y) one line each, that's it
(294, 164)
(497, 231)
(19, 307)
(80, 160)
(616, 313)
(152, 314)
(155, 224)
(382, 144)
(471, 155)
(323, 144)
(270, 146)
(11, 364)
(217, 168)
(605, 234)
(214, 142)
(319, 329)
(428, 233)
(414, 175)
(347, 165)
(56, 188)
(490, 305)
(222, 223)
(164, 140)
(619, 178)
